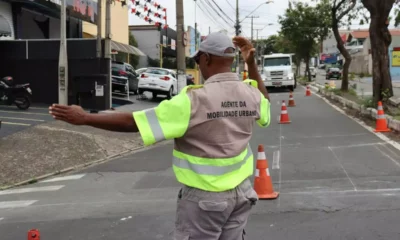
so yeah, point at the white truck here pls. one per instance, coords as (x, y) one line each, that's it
(278, 70)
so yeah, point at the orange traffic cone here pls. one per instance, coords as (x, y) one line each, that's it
(262, 181)
(284, 114)
(308, 91)
(291, 100)
(381, 124)
(33, 234)
(244, 75)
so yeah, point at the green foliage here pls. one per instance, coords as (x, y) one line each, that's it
(368, 102)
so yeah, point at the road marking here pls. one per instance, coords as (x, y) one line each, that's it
(346, 191)
(39, 108)
(276, 159)
(18, 124)
(394, 144)
(1, 219)
(28, 113)
(280, 169)
(24, 119)
(344, 170)
(389, 157)
(358, 145)
(333, 136)
(66, 178)
(123, 219)
(16, 204)
(29, 190)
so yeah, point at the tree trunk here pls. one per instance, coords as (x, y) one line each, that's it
(343, 51)
(380, 40)
(308, 73)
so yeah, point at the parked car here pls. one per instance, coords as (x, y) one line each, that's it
(313, 72)
(119, 84)
(125, 70)
(158, 81)
(333, 73)
(140, 71)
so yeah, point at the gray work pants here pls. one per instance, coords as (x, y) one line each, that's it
(205, 215)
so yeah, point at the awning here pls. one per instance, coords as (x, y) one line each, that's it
(5, 28)
(121, 47)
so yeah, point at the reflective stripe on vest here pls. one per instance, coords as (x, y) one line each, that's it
(215, 175)
(154, 124)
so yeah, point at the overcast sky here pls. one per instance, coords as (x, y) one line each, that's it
(206, 17)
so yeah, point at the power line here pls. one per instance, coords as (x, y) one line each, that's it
(221, 10)
(230, 4)
(209, 15)
(210, 5)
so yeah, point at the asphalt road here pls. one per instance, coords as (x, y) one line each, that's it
(14, 120)
(336, 181)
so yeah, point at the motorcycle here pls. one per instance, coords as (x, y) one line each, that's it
(20, 94)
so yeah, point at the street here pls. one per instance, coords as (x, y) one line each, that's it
(336, 180)
(14, 120)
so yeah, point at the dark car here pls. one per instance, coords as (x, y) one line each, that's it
(121, 70)
(333, 73)
(189, 80)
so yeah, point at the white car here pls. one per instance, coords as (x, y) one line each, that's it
(140, 71)
(158, 81)
(313, 72)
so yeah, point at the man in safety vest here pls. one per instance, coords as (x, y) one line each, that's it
(211, 126)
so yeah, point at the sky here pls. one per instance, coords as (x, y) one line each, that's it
(206, 17)
(266, 16)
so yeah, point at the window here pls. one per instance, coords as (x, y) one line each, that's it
(271, 62)
(157, 71)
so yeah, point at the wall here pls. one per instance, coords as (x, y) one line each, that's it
(5, 11)
(147, 42)
(119, 23)
(394, 71)
(39, 63)
(359, 63)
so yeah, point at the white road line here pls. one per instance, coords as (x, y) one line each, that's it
(18, 124)
(280, 169)
(1, 219)
(276, 159)
(33, 189)
(370, 129)
(16, 204)
(390, 150)
(389, 157)
(344, 170)
(66, 178)
(334, 136)
(23, 119)
(28, 113)
(346, 191)
(358, 145)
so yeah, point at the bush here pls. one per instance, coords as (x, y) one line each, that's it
(368, 102)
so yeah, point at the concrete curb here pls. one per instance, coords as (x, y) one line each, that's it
(69, 169)
(371, 112)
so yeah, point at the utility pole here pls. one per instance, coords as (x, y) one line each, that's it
(195, 25)
(107, 46)
(237, 28)
(252, 29)
(181, 63)
(99, 27)
(63, 58)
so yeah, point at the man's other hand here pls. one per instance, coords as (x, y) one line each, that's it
(71, 114)
(247, 49)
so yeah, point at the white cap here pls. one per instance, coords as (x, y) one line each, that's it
(216, 44)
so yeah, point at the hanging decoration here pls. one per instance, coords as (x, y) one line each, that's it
(146, 11)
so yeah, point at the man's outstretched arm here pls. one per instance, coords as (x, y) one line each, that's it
(117, 122)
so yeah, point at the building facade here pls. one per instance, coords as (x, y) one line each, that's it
(150, 38)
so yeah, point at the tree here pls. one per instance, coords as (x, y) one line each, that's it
(339, 9)
(303, 26)
(380, 40)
